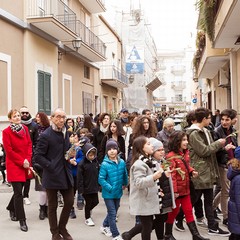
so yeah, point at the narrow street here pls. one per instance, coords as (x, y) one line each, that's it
(39, 230)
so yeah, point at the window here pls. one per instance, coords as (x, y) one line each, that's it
(104, 104)
(44, 92)
(114, 101)
(178, 98)
(86, 72)
(87, 102)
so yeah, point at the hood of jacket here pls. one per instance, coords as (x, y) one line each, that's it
(195, 127)
(232, 172)
(87, 148)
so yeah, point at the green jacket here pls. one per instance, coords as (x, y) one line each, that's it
(203, 157)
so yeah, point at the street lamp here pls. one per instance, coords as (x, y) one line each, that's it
(77, 43)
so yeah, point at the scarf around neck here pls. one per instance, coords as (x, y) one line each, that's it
(103, 129)
(152, 163)
(27, 121)
(56, 129)
(17, 129)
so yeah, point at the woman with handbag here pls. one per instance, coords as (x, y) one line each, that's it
(18, 147)
(178, 160)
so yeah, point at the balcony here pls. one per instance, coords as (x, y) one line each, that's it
(59, 21)
(178, 85)
(178, 70)
(227, 24)
(211, 61)
(94, 6)
(114, 77)
(161, 99)
(178, 99)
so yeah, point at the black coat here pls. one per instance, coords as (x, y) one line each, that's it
(50, 154)
(97, 139)
(87, 176)
(33, 132)
(222, 154)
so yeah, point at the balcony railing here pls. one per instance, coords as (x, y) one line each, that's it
(56, 9)
(90, 38)
(179, 99)
(113, 73)
(178, 69)
(62, 13)
(178, 85)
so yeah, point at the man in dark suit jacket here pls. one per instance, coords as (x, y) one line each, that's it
(50, 154)
(216, 119)
(27, 120)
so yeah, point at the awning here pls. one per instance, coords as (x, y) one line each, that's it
(154, 84)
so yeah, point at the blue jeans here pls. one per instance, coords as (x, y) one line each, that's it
(110, 220)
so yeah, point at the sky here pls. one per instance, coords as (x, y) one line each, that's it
(173, 22)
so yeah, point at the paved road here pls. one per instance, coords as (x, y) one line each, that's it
(39, 230)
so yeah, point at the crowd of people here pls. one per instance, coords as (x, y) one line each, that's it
(170, 174)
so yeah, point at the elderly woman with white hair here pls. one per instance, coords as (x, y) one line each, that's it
(164, 134)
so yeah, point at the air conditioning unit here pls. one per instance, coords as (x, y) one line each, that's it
(223, 78)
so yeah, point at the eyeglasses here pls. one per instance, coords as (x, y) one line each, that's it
(60, 117)
(24, 113)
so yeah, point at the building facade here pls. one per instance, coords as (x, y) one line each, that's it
(54, 54)
(217, 59)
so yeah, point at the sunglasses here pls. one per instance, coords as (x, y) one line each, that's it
(24, 113)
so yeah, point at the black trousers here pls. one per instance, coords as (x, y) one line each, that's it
(147, 225)
(208, 206)
(16, 203)
(159, 224)
(68, 199)
(26, 188)
(91, 201)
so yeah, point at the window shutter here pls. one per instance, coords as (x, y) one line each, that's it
(44, 92)
(40, 91)
(47, 93)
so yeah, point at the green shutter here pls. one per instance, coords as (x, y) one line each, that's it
(40, 91)
(47, 93)
(44, 92)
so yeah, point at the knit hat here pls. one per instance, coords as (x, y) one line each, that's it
(155, 143)
(237, 152)
(111, 143)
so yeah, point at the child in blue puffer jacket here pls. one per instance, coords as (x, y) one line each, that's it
(113, 178)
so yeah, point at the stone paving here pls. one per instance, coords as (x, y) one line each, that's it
(39, 229)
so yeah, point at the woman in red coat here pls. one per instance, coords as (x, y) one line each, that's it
(18, 148)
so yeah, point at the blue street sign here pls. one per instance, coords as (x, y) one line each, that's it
(194, 100)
